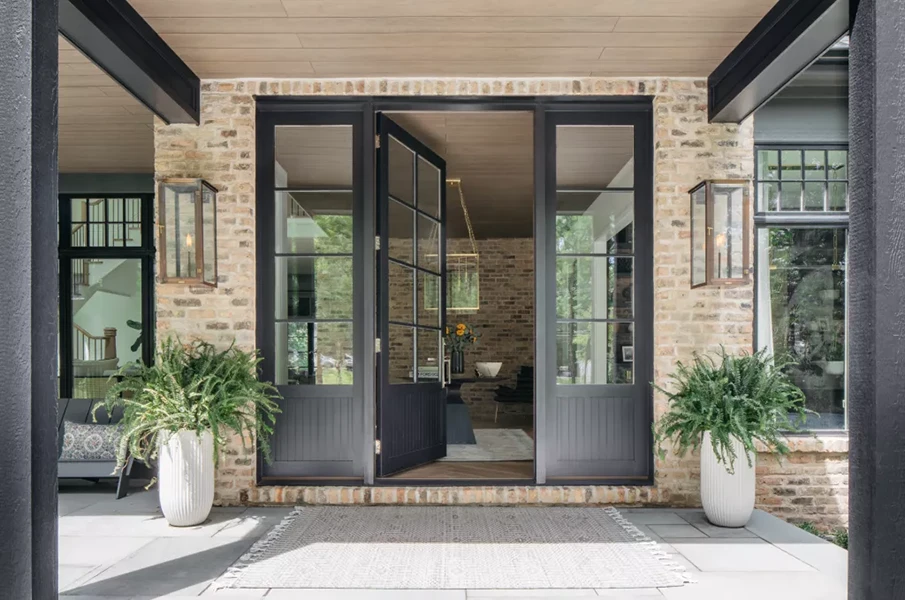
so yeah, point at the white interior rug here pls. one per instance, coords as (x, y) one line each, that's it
(454, 547)
(493, 444)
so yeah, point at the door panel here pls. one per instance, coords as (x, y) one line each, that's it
(600, 266)
(411, 201)
(310, 200)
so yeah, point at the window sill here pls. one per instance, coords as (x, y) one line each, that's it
(826, 443)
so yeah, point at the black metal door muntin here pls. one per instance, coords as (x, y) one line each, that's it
(390, 429)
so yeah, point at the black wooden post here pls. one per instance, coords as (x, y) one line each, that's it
(28, 299)
(876, 274)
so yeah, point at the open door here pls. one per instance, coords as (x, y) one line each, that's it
(411, 287)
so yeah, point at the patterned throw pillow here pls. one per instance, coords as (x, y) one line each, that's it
(89, 441)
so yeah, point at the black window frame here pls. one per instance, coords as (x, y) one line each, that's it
(145, 252)
(801, 219)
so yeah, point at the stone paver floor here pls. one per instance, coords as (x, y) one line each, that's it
(119, 549)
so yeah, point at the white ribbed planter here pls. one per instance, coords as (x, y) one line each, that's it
(728, 498)
(186, 477)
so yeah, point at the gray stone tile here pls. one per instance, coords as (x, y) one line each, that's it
(136, 525)
(677, 531)
(653, 516)
(68, 576)
(96, 551)
(253, 523)
(236, 594)
(639, 593)
(758, 586)
(737, 555)
(338, 594)
(700, 521)
(544, 593)
(817, 552)
(69, 502)
(176, 566)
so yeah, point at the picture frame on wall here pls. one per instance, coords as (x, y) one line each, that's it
(628, 354)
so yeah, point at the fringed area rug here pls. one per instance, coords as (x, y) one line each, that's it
(493, 444)
(454, 547)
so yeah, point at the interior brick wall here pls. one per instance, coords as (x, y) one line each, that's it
(687, 150)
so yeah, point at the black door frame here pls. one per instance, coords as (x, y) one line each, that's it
(641, 107)
(146, 252)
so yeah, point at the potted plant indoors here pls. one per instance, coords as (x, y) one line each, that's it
(456, 339)
(181, 411)
(723, 407)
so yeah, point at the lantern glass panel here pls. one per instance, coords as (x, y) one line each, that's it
(728, 231)
(209, 233)
(178, 217)
(699, 236)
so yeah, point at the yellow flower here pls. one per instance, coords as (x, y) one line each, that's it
(460, 332)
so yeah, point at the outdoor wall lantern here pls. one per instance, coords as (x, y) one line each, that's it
(720, 236)
(187, 218)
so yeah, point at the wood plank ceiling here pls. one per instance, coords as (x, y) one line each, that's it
(103, 128)
(395, 38)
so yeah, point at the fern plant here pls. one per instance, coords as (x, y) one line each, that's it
(746, 397)
(192, 387)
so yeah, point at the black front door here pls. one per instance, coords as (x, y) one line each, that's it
(411, 285)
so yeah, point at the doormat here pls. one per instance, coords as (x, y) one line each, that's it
(454, 547)
(493, 445)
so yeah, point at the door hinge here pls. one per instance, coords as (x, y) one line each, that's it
(376, 345)
(376, 446)
(377, 243)
(377, 141)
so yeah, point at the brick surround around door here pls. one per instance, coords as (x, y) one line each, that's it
(812, 484)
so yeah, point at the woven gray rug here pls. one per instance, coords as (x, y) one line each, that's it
(492, 445)
(454, 547)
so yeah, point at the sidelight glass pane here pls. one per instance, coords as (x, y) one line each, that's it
(401, 226)
(801, 314)
(401, 353)
(401, 289)
(107, 331)
(595, 228)
(313, 157)
(401, 178)
(429, 355)
(699, 236)
(429, 188)
(594, 353)
(314, 222)
(313, 288)
(594, 287)
(314, 354)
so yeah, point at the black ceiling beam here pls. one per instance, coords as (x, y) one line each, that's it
(119, 41)
(785, 42)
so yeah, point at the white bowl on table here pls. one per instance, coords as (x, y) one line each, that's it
(487, 369)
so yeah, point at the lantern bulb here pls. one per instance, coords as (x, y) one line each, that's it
(188, 240)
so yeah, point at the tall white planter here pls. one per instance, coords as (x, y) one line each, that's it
(186, 477)
(728, 498)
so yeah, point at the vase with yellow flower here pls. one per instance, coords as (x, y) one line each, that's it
(457, 338)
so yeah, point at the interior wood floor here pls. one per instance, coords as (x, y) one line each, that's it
(522, 469)
(513, 469)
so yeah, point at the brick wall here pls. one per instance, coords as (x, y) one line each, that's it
(688, 149)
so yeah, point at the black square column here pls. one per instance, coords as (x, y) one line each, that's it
(876, 288)
(28, 299)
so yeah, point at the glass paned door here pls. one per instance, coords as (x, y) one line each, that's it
(411, 300)
(600, 348)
